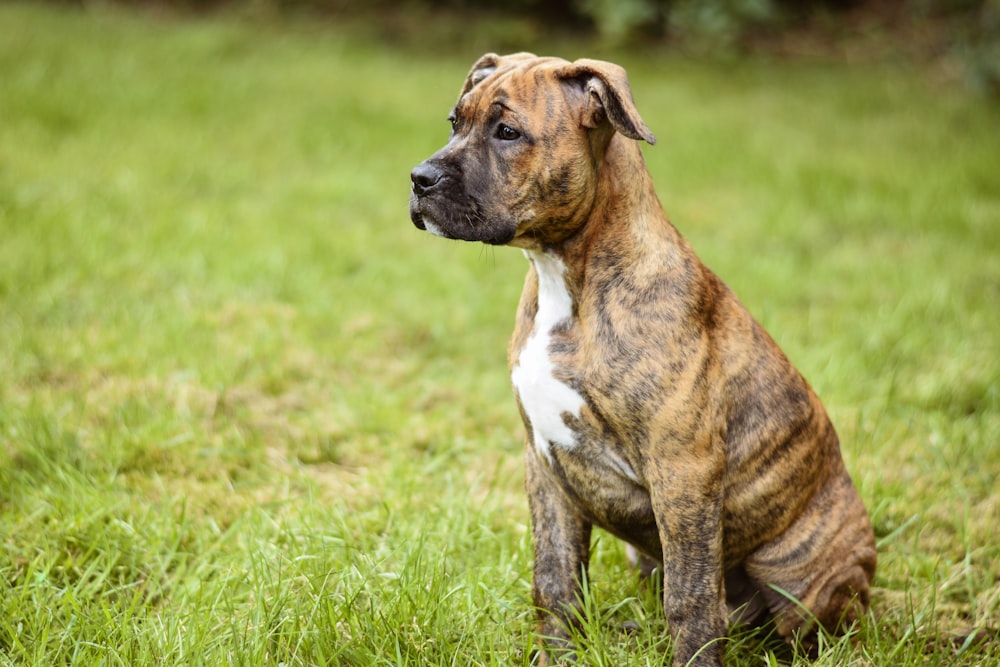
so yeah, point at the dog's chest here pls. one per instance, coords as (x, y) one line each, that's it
(550, 403)
(547, 401)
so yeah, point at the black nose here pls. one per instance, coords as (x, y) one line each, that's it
(425, 177)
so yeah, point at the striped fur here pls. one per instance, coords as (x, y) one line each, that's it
(694, 439)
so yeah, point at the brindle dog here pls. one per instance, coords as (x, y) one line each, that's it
(655, 406)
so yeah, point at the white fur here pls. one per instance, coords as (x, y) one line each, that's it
(544, 398)
(432, 227)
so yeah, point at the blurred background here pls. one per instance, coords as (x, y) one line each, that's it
(961, 36)
(250, 415)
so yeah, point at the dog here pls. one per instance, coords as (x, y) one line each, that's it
(655, 406)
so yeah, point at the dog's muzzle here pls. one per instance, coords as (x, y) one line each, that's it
(425, 179)
(440, 205)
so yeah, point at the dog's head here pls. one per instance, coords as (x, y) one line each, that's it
(528, 135)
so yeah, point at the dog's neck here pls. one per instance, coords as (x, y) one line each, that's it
(626, 222)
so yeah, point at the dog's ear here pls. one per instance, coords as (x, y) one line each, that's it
(607, 96)
(487, 65)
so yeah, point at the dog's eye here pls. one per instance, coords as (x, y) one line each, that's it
(507, 133)
(453, 120)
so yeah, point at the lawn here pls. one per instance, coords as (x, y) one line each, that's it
(249, 415)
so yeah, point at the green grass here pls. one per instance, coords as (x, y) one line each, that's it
(249, 415)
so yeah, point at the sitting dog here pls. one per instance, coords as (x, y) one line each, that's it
(655, 406)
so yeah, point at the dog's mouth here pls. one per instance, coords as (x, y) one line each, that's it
(429, 215)
(423, 218)
(428, 224)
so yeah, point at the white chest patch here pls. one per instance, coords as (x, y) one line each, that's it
(544, 398)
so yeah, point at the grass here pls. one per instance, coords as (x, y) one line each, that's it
(249, 415)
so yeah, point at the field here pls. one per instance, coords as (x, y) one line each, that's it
(249, 415)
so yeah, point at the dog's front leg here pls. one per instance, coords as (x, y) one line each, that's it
(687, 502)
(562, 551)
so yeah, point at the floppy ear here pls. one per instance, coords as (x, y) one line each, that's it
(488, 64)
(607, 95)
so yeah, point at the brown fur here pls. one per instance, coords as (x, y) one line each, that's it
(739, 489)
